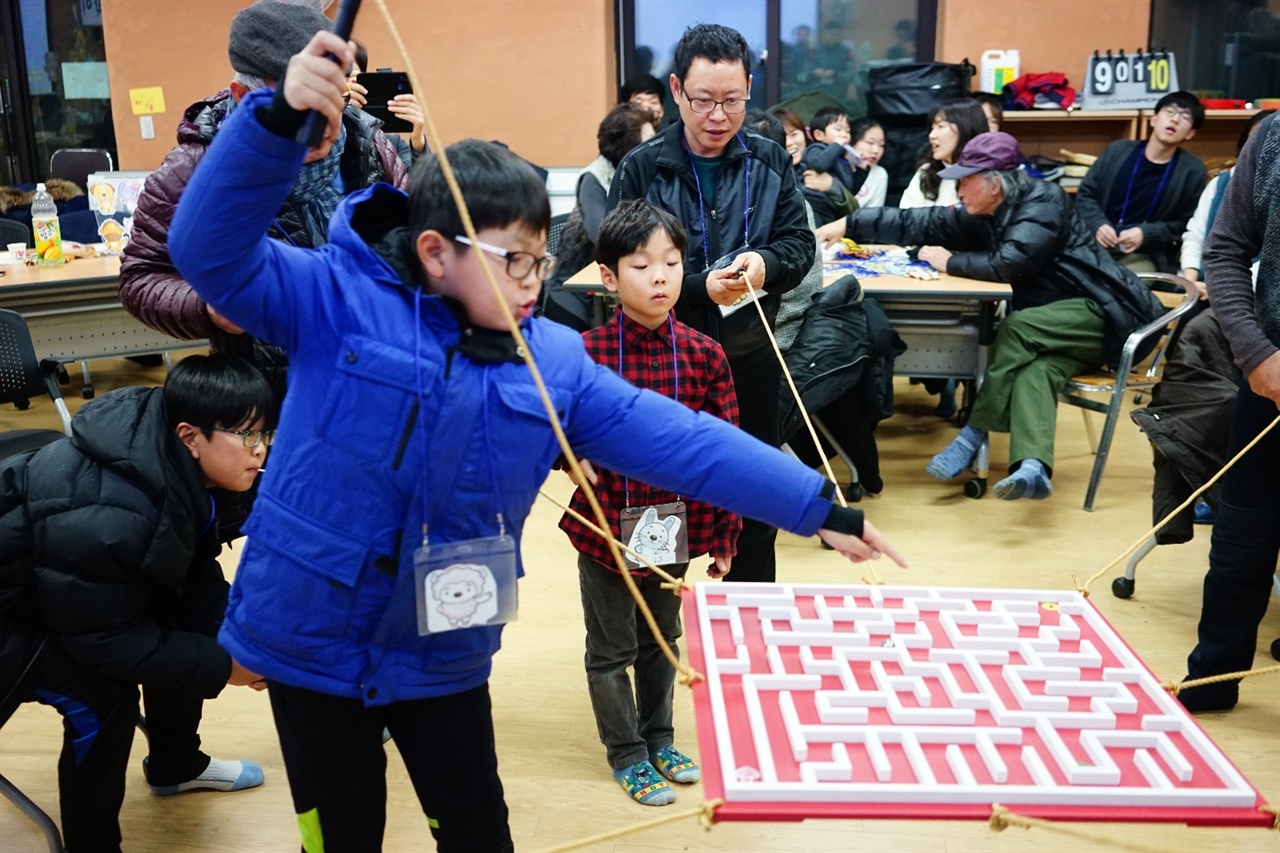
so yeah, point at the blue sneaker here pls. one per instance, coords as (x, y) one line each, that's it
(675, 766)
(1203, 513)
(218, 776)
(643, 784)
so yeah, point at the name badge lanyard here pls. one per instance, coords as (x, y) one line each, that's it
(471, 582)
(746, 203)
(659, 532)
(1124, 208)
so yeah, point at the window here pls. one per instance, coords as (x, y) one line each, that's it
(1224, 49)
(820, 45)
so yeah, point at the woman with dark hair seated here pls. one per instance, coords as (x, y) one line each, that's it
(951, 125)
(625, 127)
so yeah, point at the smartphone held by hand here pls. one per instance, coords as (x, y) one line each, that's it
(382, 87)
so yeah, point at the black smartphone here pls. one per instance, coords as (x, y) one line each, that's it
(383, 86)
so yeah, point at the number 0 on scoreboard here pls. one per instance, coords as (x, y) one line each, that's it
(1133, 81)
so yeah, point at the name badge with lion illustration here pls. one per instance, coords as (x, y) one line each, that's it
(466, 584)
(658, 533)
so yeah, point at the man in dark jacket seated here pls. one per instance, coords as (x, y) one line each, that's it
(109, 579)
(1073, 306)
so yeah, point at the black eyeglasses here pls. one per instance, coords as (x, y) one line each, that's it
(519, 264)
(731, 106)
(251, 438)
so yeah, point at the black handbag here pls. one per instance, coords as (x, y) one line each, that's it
(915, 88)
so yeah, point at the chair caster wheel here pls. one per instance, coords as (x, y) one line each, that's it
(22, 405)
(1122, 588)
(1275, 649)
(853, 492)
(87, 392)
(975, 488)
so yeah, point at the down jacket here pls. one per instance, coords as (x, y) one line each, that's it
(1035, 243)
(324, 595)
(1188, 421)
(756, 174)
(108, 545)
(153, 291)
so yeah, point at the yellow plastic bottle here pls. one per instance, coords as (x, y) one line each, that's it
(44, 224)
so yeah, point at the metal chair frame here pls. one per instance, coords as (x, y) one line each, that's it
(1125, 379)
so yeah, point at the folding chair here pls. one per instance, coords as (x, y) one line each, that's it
(77, 164)
(1128, 376)
(23, 377)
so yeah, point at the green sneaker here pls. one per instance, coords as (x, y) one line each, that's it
(675, 766)
(643, 784)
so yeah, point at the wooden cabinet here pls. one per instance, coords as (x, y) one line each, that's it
(1089, 131)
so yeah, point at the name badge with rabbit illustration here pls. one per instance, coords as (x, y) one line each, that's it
(658, 533)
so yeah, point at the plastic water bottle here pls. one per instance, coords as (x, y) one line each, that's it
(44, 223)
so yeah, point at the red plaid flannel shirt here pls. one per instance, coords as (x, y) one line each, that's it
(705, 386)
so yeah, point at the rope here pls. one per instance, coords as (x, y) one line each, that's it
(1084, 589)
(671, 582)
(705, 813)
(804, 413)
(1002, 819)
(522, 346)
(1176, 687)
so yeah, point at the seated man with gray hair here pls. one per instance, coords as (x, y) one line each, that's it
(1073, 306)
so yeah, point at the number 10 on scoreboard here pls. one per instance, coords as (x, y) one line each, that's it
(1133, 81)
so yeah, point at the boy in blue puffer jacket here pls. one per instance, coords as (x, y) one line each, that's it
(383, 546)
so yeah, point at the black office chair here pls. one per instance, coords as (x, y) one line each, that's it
(553, 235)
(77, 164)
(12, 231)
(22, 378)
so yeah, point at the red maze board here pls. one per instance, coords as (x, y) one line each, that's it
(915, 702)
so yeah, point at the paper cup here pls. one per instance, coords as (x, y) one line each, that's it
(18, 253)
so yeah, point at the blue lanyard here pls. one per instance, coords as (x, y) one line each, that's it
(675, 369)
(484, 418)
(1124, 208)
(746, 202)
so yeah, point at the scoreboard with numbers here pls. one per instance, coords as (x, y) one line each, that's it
(1135, 81)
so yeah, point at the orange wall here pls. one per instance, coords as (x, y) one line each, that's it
(1050, 35)
(538, 76)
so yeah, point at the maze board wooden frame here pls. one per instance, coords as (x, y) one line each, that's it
(917, 702)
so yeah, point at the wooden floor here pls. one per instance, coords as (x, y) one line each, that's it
(557, 784)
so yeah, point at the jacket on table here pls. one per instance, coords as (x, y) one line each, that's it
(108, 547)
(390, 423)
(756, 174)
(1163, 233)
(1035, 243)
(151, 288)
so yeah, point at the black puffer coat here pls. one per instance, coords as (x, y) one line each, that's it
(842, 365)
(1189, 422)
(108, 548)
(755, 177)
(1034, 242)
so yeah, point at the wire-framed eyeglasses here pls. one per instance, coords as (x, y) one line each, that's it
(251, 438)
(731, 106)
(519, 264)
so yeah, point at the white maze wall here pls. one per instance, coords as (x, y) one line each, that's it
(884, 694)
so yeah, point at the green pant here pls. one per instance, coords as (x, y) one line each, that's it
(1035, 352)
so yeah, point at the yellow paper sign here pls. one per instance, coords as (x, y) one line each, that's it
(147, 101)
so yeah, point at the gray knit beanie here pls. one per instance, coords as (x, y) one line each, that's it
(265, 35)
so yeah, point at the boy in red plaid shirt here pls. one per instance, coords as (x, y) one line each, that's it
(641, 255)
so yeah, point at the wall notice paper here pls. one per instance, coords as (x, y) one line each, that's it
(147, 100)
(85, 80)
